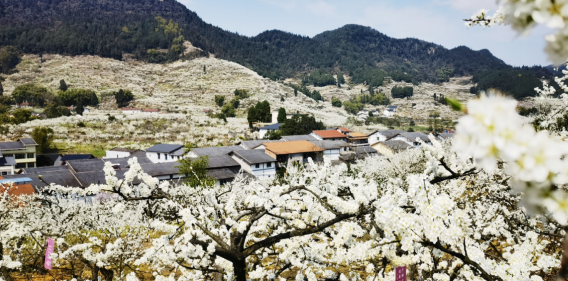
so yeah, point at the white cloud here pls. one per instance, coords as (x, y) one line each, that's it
(322, 8)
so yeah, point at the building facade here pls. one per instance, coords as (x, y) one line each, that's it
(23, 151)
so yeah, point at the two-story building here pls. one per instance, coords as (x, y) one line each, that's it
(328, 135)
(412, 139)
(383, 135)
(255, 162)
(7, 165)
(270, 128)
(161, 153)
(23, 151)
(119, 152)
(333, 149)
(357, 138)
(288, 152)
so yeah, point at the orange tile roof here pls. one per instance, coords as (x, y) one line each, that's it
(343, 129)
(357, 134)
(330, 134)
(21, 189)
(291, 147)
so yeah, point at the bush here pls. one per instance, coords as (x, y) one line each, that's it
(336, 102)
(73, 97)
(402, 92)
(259, 113)
(34, 95)
(219, 100)
(62, 85)
(9, 58)
(353, 108)
(123, 97)
(241, 94)
(52, 110)
(229, 110)
(43, 137)
(300, 125)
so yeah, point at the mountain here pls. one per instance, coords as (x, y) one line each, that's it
(151, 30)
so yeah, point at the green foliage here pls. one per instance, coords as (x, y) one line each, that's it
(111, 118)
(241, 94)
(444, 74)
(235, 103)
(518, 82)
(195, 172)
(273, 135)
(62, 85)
(315, 95)
(340, 79)
(320, 78)
(353, 107)
(282, 115)
(123, 97)
(336, 102)
(295, 92)
(7, 100)
(21, 116)
(259, 113)
(300, 125)
(9, 58)
(219, 100)
(34, 95)
(53, 110)
(79, 109)
(402, 92)
(523, 111)
(228, 110)
(43, 137)
(1, 89)
(72, 97)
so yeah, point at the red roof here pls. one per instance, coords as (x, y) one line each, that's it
(330, 134)
(20, 189)
(343, 129)
(25, 103)
(150, 110)
(132, 109)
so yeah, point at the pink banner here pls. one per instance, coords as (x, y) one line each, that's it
(401, 273)
(48, 252)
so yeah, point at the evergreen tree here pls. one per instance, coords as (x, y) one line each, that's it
(251, 116)
(220, 100)
(281, 115)
(295, 92)
(1, 89)
(43, 137)
(62, 85)
(196, 171)
(340, 79)
(123, 97)
(79, 109)
(300, 125)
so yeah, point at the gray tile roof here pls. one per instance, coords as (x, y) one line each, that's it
(224, 161)
(389, 133)
(255, 143)
(164, 148)
(94, 165)
(329, 144)
(396, 144)
(41, 170)
(28, 142)
(298, 138)
(7, 161)
(216, 150)
(88, 178)
(120, 149)
(161, 169)
(272, 127)
(69, 157)
(11, 145)
(412, 136)
(446, 135)
(222, 174)
(365, 149)
(61, 177)
(256, 156)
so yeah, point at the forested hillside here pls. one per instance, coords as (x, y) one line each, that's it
(154, 30)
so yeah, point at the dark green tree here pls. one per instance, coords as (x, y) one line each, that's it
(123, 97)
(79, 109)
(53, 110)
(229, 110)
(196, 172)
(295, 92)
(72, 97)
(251, 116)
(219, 100)
(263, 111)
(402, 92)
(336, 102)
(340, 79)
(9, 58)
(241, 94)
(62, 85)
(353, 107)
(281, 115)
(34, 95)
(43, 137)
(1, 89)
(300, 125)
(21, 116)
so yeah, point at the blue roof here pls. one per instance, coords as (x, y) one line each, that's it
(272, 127)
(393, 106)
(164, 148)
(18, 180)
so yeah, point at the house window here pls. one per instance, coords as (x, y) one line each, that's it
(4, 173)
(165, 156)
(158, 155)
(31, 155)
(269, 165)
(20, 165)
(257, 166)
(20, 156)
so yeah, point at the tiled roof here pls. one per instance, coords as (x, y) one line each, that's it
(272, 127)
(16, 145)
(291, 147)
(16, 190)
(255, 143)
(343, 129)
(330, 144)
(132, 109)
(164, 148)
(299, 137)
(216, 150)
(28, 142)
(412, 136)
(224, 161)
(256, 156)
(389, 133)
(395, 144)
(68, 157)
(329, 134)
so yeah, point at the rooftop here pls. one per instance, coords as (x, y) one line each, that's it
(365, 150)
(68, 157)
(412, 136)
(343, 129)
(16, 145)
(389, 133)
(222, 174)
(292, 147)
(253, 144)
(216, 150)
(131, 109)
(256, 156)
(7, 161)
(330, 134)
(358, 135)
(120, 149)
(28, 142)
(272, 127)
(329, 144)
(151, 110)
(164, 148)
(224, 161)
(299, 137)
(395, 144)
(59, 177)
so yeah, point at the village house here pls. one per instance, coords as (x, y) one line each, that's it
(256, 144)
(294, 151)
(16, 187)
(444, 136)
(62, 160)
(24, 105)
(223, 169)
(383, 135)
(161, 153)
(23, 151)
(255, 162)
(298, 138)
(390, 111)
(390, 147)
(213, 151)
(412, 138)
(118, 152)
(131, 110)
(156, 111)
(275, 116)
(270, 128)
(343, 130)
(7, 164)
(357, 138)
(328, 135)
(333, 149)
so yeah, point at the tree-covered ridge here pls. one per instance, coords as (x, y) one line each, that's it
(518, 82)
(113, 28)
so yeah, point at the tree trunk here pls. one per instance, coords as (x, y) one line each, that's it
(107, 274)
(95, 273)
(240, 270)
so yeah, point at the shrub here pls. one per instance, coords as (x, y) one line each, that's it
(336, 102)
(402, 92)
(219, 100)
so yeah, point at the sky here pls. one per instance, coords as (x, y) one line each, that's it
(437, 21)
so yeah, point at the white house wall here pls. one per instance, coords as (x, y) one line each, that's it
(6, 170)
(333, 154)
(164, 157)
(116, 154)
